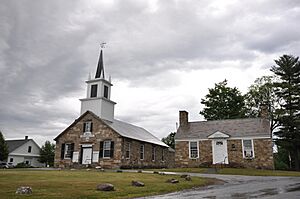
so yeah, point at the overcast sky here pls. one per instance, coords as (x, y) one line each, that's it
(162, 57)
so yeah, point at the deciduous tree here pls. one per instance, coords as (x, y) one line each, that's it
(47, 153)
(223, 102)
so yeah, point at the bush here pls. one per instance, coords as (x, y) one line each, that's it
(23, 165)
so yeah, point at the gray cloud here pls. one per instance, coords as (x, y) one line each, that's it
(48, 48)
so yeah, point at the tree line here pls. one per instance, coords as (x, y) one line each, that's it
(279, 94)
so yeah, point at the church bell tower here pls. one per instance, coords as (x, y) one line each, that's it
(98, 94)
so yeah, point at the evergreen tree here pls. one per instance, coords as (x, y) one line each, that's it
(170, 140)
(223, 102)
(3, 148)
(287, 68)
(47, 153)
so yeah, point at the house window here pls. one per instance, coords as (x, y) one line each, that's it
(68, 151)
(29, 149)
(87, 126)
(11, 159)
(194, 151)
(106, 149)
(153, 153)
(142, 151)
(248, 149)
(163, 155)
(127, 150)
(105, 94)
(94, 90)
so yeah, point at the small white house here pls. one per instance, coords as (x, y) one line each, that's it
(24, 150)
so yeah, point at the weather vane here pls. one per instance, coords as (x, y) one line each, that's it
(102, 45)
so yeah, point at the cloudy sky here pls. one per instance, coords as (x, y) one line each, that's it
(162, 56)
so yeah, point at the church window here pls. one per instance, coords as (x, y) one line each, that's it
(11, 159)
(87, 126)
(127, 150)
(94, 90)
(142, 151)
(67, 150)
(106, 149)
(105, 94)
(153, 153)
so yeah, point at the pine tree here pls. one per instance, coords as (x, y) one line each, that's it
(3, 148)
(287, 68)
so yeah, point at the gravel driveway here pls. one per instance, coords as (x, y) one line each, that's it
(239, 187)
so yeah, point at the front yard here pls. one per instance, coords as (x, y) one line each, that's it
(234, 171)
(82, 184)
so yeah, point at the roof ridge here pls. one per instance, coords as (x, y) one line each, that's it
(253, 118)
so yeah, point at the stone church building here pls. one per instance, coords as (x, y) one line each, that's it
(96, 138)
(232, 142)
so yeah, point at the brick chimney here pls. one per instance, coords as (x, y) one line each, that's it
(264, 112)
(183, 118)
(26, 137)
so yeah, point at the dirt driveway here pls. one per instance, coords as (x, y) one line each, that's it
(240, 187)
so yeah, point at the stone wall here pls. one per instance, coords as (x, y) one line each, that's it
(134, 161)
(263, 153)
(182, 154)
(102, 132)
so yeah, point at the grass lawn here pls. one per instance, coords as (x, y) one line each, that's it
(232, 171)
(82, 184)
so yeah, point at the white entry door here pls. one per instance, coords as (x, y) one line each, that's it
(219, 149)
(86, 155)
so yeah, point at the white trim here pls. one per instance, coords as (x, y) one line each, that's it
(217, 135)
(86, 145)
(128, 144)
(197, 149)
(252, 144)
(27, 155)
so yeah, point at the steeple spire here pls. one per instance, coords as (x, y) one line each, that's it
(100, 68)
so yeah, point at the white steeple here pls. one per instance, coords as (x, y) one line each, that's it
(98, 94)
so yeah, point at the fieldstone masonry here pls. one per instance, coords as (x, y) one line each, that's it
(102, 132)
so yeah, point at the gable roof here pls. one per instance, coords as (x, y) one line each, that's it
(124, 129)
(235, 128)
(14, 144)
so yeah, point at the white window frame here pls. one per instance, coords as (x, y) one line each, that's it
(252, 145)
(142, 146)
(127, 149)
(190, 150)
(66, 150)
(105, 146)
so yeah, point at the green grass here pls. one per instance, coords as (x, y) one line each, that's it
(233, 171)
(82, 184)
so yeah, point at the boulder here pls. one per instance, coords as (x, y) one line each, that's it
(188, 178)
(119, 171)
(105, 187)
(24, 190)
(162, 173)
(139, 171)
(137, 183)
(173, 181)
(155, 172)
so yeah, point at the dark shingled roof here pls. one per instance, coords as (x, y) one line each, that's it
(237, 128)
(14, 144)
